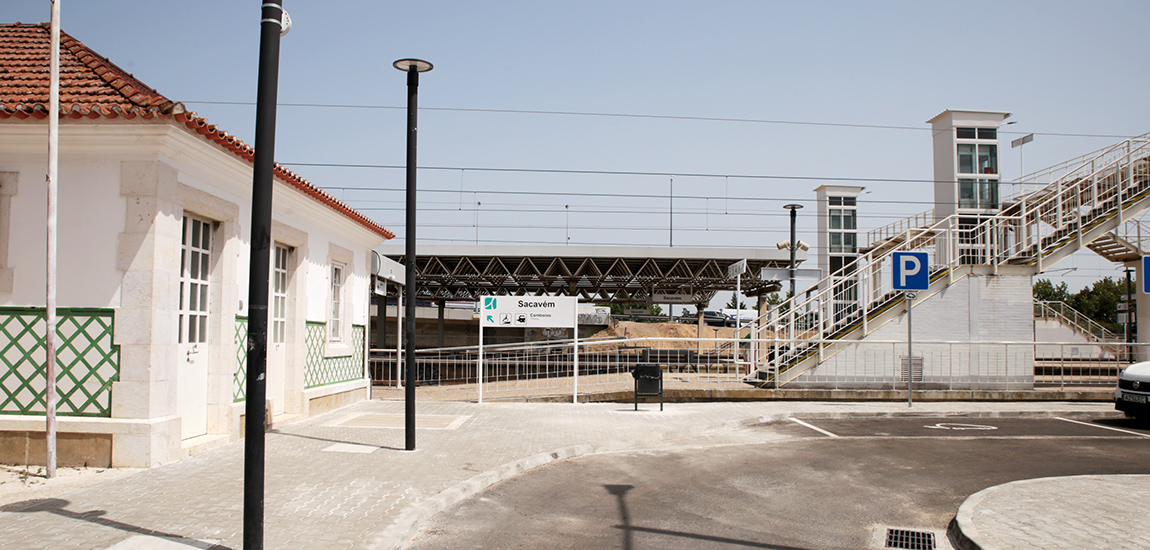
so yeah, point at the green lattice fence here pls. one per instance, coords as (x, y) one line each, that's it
(88, 361)
(321, 370)
(240, 378)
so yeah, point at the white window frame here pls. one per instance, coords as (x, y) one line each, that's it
(336, 302)
(195, 278)
(280, 260)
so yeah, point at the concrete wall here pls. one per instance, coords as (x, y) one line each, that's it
(1082, 347)
(977, 308)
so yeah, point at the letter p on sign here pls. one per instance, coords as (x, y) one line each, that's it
(910, 271)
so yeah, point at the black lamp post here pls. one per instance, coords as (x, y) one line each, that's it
(274, 23)
(412, 67)
(794, 244)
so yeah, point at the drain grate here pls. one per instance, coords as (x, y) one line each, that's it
(905, 539)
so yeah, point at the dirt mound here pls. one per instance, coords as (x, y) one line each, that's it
(628, 329)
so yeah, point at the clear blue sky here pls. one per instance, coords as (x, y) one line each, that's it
(1060, 67)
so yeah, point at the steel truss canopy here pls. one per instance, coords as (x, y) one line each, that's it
(592, 273)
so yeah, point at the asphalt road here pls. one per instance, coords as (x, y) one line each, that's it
(813, 484)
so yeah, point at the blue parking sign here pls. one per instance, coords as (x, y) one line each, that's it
(911, 271)
(1143, 275)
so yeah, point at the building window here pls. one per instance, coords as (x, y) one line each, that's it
(980, 193)
(981, 158)
(334, 321)
(843, 218)
(195, 263)
(279, 294)
(975, 157)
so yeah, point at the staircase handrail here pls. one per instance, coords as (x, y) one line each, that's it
(1137, 234)
(1035, 181)
(1068, 315)
(890, 230)
(1062, 208)
(1039, 223)
(861, 288)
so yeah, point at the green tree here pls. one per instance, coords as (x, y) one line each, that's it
(732, 304)
(1100, 302)
(1045, 291)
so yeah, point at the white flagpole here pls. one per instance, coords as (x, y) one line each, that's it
(50, 313)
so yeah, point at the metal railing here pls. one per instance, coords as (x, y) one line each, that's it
(1035, 181)
(1075, 319)
(1040, 228)
(891, 230)
(972, 365)
(532, 370)
(1136, 234)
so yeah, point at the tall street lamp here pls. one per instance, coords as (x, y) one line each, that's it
(793, 244)
(412, 67)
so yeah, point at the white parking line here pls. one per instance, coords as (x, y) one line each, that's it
(1103, 427)
(820, 430)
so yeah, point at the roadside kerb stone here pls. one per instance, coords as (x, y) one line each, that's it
(1093, 511)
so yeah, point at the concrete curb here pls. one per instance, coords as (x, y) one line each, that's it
(407, 525)
(672, 395)
(401, 532)
(965, 535)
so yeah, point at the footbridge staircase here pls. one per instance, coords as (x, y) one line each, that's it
(1087, 202)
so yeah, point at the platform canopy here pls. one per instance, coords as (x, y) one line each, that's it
(633, 275)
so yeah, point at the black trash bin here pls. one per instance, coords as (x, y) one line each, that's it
(648, 382)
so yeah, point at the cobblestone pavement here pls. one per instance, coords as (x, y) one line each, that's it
(1056, 512)
(342, 480)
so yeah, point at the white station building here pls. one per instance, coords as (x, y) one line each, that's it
(153, 256)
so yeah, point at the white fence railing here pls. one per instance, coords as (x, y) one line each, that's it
(533, 370)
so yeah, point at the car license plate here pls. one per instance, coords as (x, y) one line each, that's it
(1133, 398)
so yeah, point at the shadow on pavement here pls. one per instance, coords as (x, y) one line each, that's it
(312, 437)
(56, 506)
(723, 540)
(620, 493)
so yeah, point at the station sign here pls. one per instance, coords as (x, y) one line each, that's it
(668, 298)
(528, 311)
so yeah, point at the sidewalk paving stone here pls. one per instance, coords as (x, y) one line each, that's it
(317, 498)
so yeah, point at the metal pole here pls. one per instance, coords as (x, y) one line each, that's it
(409, 257)
(1128, 298)
(575, 396)
(738, 319)
(793, 247)
(258, 275)
(909, 350)
(671, 213)
(50, 302)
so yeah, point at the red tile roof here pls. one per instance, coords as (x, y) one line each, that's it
(93, 87)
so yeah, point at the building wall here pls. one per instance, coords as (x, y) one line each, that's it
(124, 189)
(994, 309)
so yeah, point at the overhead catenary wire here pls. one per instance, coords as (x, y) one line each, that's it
(642, 116)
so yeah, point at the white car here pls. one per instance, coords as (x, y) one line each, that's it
(1133, 393)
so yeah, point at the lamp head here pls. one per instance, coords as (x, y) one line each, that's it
(783, 245)
(405, 65)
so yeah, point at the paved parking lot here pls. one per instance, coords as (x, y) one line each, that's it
(342, 480)
(813, 483)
